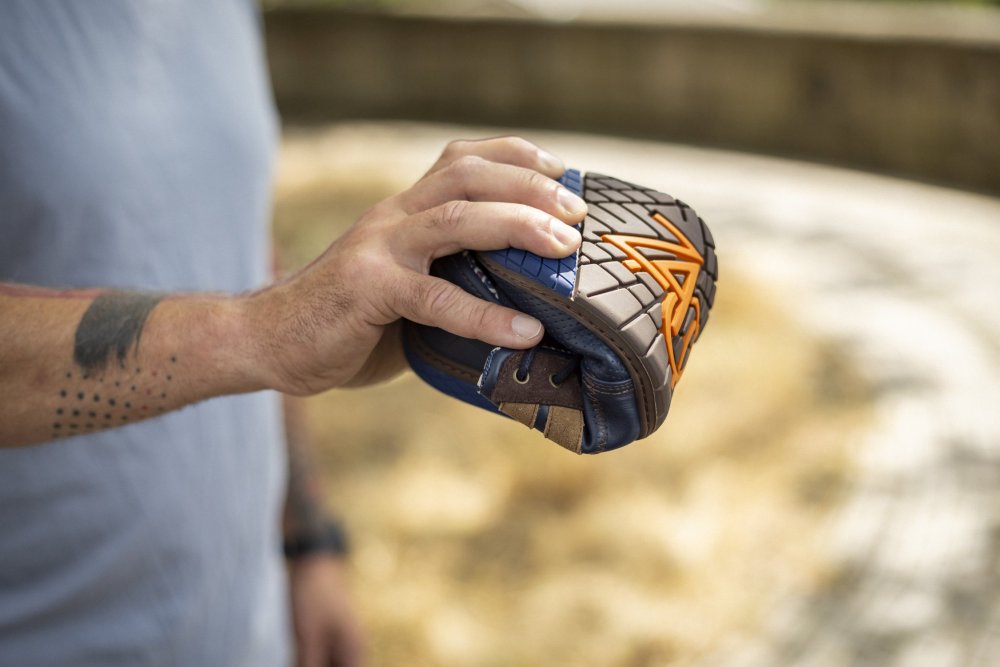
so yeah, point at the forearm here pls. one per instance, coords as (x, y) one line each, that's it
(75, 362)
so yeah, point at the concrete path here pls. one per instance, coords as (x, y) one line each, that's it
(907, 277)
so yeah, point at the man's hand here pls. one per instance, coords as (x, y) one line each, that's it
(335, 322)
(83, 360)
(326, 632)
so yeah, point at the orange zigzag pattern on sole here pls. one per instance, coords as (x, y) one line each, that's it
(677, 277)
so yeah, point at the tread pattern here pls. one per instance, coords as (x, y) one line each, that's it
(631, 296)
(645, 256)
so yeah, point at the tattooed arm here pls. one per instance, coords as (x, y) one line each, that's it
(80, 361)
(71, 361)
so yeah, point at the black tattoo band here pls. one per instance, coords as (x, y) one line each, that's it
(112, 326)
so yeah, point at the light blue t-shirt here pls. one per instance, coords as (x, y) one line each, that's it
(136, 146)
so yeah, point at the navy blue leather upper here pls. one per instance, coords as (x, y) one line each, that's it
(611, 418)
(609, 401)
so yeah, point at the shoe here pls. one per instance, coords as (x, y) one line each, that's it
(620, 317)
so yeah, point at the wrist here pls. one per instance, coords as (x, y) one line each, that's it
(253, 342)
(209, 334)
(240, 363)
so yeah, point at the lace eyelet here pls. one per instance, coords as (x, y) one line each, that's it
(518, 380)
(552, 381)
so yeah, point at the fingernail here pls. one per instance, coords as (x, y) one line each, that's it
(565, 234)
(550, 163)
(571, 203)
(525, 327)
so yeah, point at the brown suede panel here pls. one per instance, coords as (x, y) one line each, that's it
(565, 427)
(522, 412)
(537, 389)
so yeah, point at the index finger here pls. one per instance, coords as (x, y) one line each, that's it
(511, 150)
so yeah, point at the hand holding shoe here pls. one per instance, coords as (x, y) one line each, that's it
(334, 322)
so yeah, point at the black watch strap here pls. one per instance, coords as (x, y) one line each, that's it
(329, 539)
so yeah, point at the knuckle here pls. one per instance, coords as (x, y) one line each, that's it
(480, 317)
(528, 221)
(520, 145)
(366, 267)
(367, 261)
(455, 148)
(438, 298)
(540, 183)
(361, 243)
(451, 215)
(378, 214)
(466, 165)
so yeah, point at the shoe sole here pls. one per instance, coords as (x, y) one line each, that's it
(646, 280)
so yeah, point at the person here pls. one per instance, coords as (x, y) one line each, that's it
(142, 348)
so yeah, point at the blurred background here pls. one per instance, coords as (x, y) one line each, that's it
(826, 490)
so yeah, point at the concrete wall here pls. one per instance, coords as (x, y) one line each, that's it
(917, 105)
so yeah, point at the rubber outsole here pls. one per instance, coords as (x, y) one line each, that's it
(646, 281)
